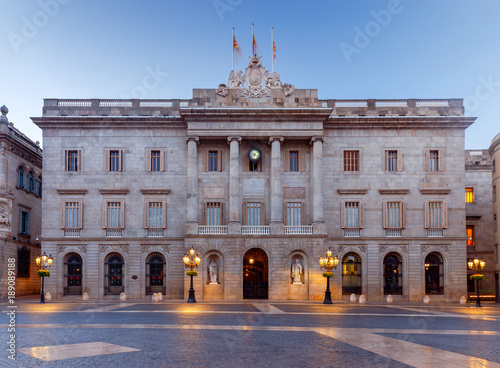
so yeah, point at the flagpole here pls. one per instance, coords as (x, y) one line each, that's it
(233, 48)
(272, 49)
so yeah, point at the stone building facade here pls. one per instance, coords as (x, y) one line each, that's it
(494, 151)
(479, 212)
(257, 177)
(20, 208)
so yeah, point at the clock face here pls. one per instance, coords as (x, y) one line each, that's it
(254, 154)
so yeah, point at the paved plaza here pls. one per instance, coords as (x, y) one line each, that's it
(250, 334)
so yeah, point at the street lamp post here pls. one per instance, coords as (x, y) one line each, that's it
(477, 265)
(328, 263)
(191, 261)
(43, 261)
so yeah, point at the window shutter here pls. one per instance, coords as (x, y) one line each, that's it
(204, 213)
(146, 215)
(162, 160)
(66, 166)
(262, 213)
(427, 219)
(164, 210)
(287, 160)
(384, 211)
(445, 215)
(122, 213)
(107, 160)
(20, 222)
(427, 159)
(285, 217)
(247, 163)
(244, 214)
(104, 215)
(149, 160)
(79, 161)
(361, 216)
(219, 160)
(440, 160)
(80, 214)
(63, 214)
(120, 160)
(27, 223)
(342, 214)
(303, 214)
(259, 165)
(206, 159)
(222, 222)
(403, 215)
(301, 160)
(400, 160)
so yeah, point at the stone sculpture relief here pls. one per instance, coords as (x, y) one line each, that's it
(4, 217)
(212, 272)
(297, 274)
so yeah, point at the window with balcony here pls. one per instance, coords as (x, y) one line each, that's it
(436, 217)
(71, 218)
(254, 219)
(393, 160)
(114, 218)
(114, 160)
(393, 218)
(155, 219)
(156, 161)
(434, 160)
(351, 161)
(214, 213)
(469, 195)
(73, 158)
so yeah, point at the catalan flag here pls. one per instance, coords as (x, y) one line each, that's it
(236, 47)
(274, 50)
(254, 46)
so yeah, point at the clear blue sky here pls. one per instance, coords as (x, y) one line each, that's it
(104, 49)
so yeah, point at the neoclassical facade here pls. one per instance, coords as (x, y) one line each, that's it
(20, 209)
(494, 151)
(260, 178)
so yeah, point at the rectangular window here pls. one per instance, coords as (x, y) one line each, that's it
(295, 213)
(253, 213)
(24, 223)
(434, 160)
(351, 160)
(114, 215)
(394, 215)
(114, 160)
(213, 213)
(213, 160)
(72, 218)
(469, 195)
(73, 160)
(293, 160)
(352, 215)
(471, 236)
(393, 160)
(494, 193)
(156, 160)
(155, 215)
(436, 215)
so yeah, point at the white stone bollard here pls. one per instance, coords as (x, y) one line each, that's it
(389, 299)
(155, 298)
(160, 297)
(123, 296)
(362, 299)
(463, 300)
(353, 298)
(85, 296)
(427, 300)
(48, 296)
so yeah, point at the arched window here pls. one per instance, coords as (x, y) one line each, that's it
(351, 274)
(393, 278)
(155, 273)
(114, 274)
(73, 274)
(31, 182)
(23, 262)
(434, 274)
(39, 186)
(21, 178)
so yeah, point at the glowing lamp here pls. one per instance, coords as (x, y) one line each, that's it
(185, 259)
(197, 259)
(50, 260)
(192, 251)
(482, 264)
(251, 260)
(335, 262)
(476, 261)
(427, 265)
(321, 262)
(329, 252)
(470, 264)
(44, 258)
(38, 260)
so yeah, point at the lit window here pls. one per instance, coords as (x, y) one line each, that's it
(471, 241)
(351, 160)
(469, 195)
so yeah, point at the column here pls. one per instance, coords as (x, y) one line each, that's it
(3, 172)
(234, 224)
(317, 186)
(192, 186)
(277, 226)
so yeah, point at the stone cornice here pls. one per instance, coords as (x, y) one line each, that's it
(114, 191)
(435, 191)
(352, 191)
(155, 191)
(399, 122)
(255, 114)
(393, 191)
(116, 122)
(71, 191)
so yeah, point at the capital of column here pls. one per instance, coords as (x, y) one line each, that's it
(230, 139)
(272, 139)
(316, 139)
(193, 139)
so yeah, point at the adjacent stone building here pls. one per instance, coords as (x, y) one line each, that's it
(260, 179)
(494, 151)
(20, 209)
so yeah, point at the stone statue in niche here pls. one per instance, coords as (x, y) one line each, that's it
(297, 275)
(212, 272)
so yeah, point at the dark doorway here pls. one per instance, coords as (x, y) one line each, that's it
(255, 274)
(73, 267)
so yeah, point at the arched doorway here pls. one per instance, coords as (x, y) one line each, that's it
(393, 278)
(113, 276)
(351, 274)
(434, 274)
(255, 274)
(73, 274)
(155, 271)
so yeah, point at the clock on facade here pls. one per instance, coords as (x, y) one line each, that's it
(254, 154)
